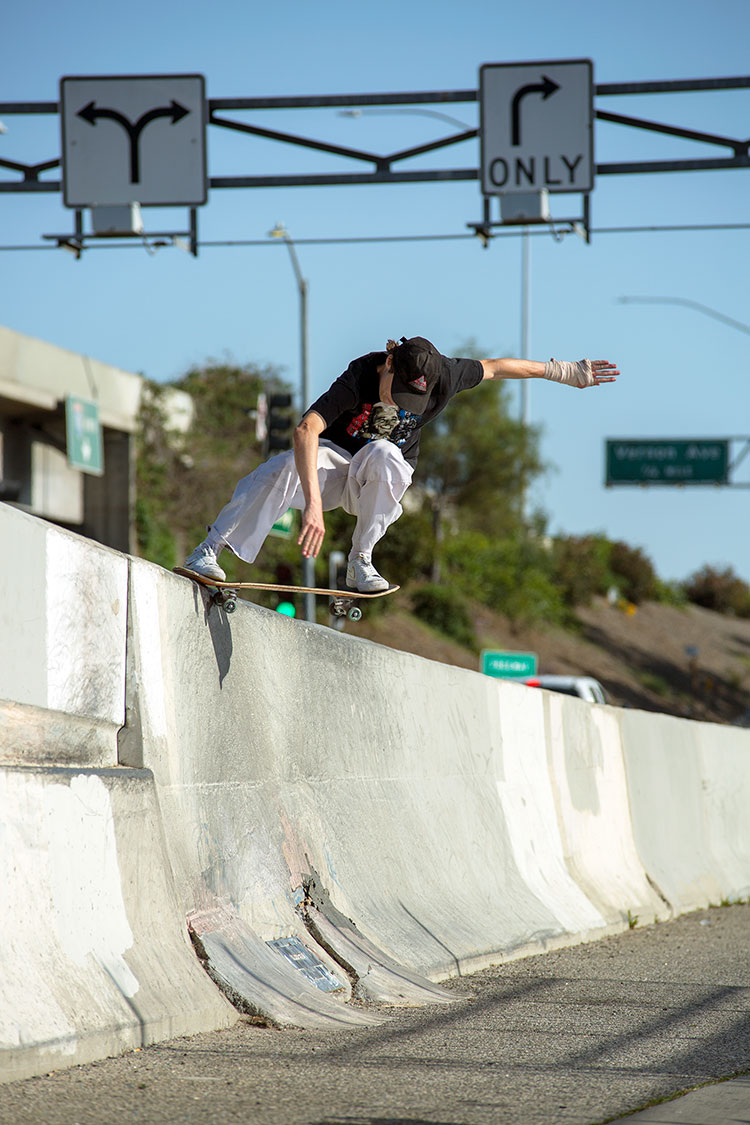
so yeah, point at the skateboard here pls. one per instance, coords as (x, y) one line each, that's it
(342, 602)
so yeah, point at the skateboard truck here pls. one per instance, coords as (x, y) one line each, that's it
(224, 599)
(344, 607)
(338, 607)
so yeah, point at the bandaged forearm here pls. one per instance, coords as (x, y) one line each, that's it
(578, 374)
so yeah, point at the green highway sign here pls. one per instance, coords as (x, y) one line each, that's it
(649, 461)
(84, 435)
(508, 665)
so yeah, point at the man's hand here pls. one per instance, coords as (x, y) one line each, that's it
(603, 371)
(313, 530)
(585, 373)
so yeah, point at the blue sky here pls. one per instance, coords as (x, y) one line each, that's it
(684, 374)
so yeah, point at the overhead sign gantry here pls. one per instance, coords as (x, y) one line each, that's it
(139, 140)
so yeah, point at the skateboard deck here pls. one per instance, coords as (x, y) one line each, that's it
(225, 593)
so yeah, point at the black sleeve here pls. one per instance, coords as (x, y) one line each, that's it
(465, 373)
(345, 394)
(342, 395)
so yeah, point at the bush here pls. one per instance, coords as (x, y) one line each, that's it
(720, 590)
(445, 610)
(670, 593)
(633, 572)
(580, 568)
(510, 576)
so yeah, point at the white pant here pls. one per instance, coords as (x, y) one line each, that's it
(368, 485)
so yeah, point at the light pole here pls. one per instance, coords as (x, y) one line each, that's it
(280, 231)
(525, 318)
(695, 305)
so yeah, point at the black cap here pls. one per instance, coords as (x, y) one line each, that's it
(417, 365)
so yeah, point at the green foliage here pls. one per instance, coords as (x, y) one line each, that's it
(406, 553)
(720, 590)
(184, 479)
(155, 539)
(444, 609)
(669, 593)
(633, 572)
(581, 567)
(589, 565)
(512, 576)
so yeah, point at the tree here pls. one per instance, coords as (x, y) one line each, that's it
(721, 590)
(183, 481)
(475, 462)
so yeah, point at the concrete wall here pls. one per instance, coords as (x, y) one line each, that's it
(323, 817)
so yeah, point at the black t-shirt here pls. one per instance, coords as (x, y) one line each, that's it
(349, 406)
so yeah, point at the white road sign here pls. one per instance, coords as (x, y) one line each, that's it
(537, 127)
(138, 139)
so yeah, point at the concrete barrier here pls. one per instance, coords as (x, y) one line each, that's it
(690, 792)
(300, 816)
(94, 952)
(286, 752)
(63, 615)
(235, 719)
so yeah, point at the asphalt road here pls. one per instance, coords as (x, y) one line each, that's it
(582, 1035)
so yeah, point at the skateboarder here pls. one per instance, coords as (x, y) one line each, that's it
(356, 448)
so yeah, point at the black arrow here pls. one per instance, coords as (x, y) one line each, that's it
(174, 110)
(545, 88)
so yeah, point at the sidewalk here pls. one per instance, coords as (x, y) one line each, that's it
(575, 1037)
(722, 1104)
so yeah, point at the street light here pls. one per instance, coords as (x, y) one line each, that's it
(417, 112)
(695, 305)
(280, 231)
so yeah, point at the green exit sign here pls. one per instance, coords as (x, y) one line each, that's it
(697, 461)
(508, 665)
(84, 435)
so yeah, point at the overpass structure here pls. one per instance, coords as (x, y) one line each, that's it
(202, 816)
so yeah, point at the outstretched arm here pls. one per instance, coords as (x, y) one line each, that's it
(585, 373)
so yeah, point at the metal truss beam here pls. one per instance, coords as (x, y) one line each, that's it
(383, 172)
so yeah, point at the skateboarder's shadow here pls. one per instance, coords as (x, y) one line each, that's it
(221, 638)
(220, 633)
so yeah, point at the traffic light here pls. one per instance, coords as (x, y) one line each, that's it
(279, 423)
(285, 577)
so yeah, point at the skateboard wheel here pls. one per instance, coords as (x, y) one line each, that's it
(337, 610)
(230, 605)
(355, 613)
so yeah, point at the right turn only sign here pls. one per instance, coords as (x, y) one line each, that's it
(537, 127)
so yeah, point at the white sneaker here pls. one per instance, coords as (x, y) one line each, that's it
(203, 561)
(361, 575)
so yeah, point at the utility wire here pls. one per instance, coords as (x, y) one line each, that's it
(360, 239)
